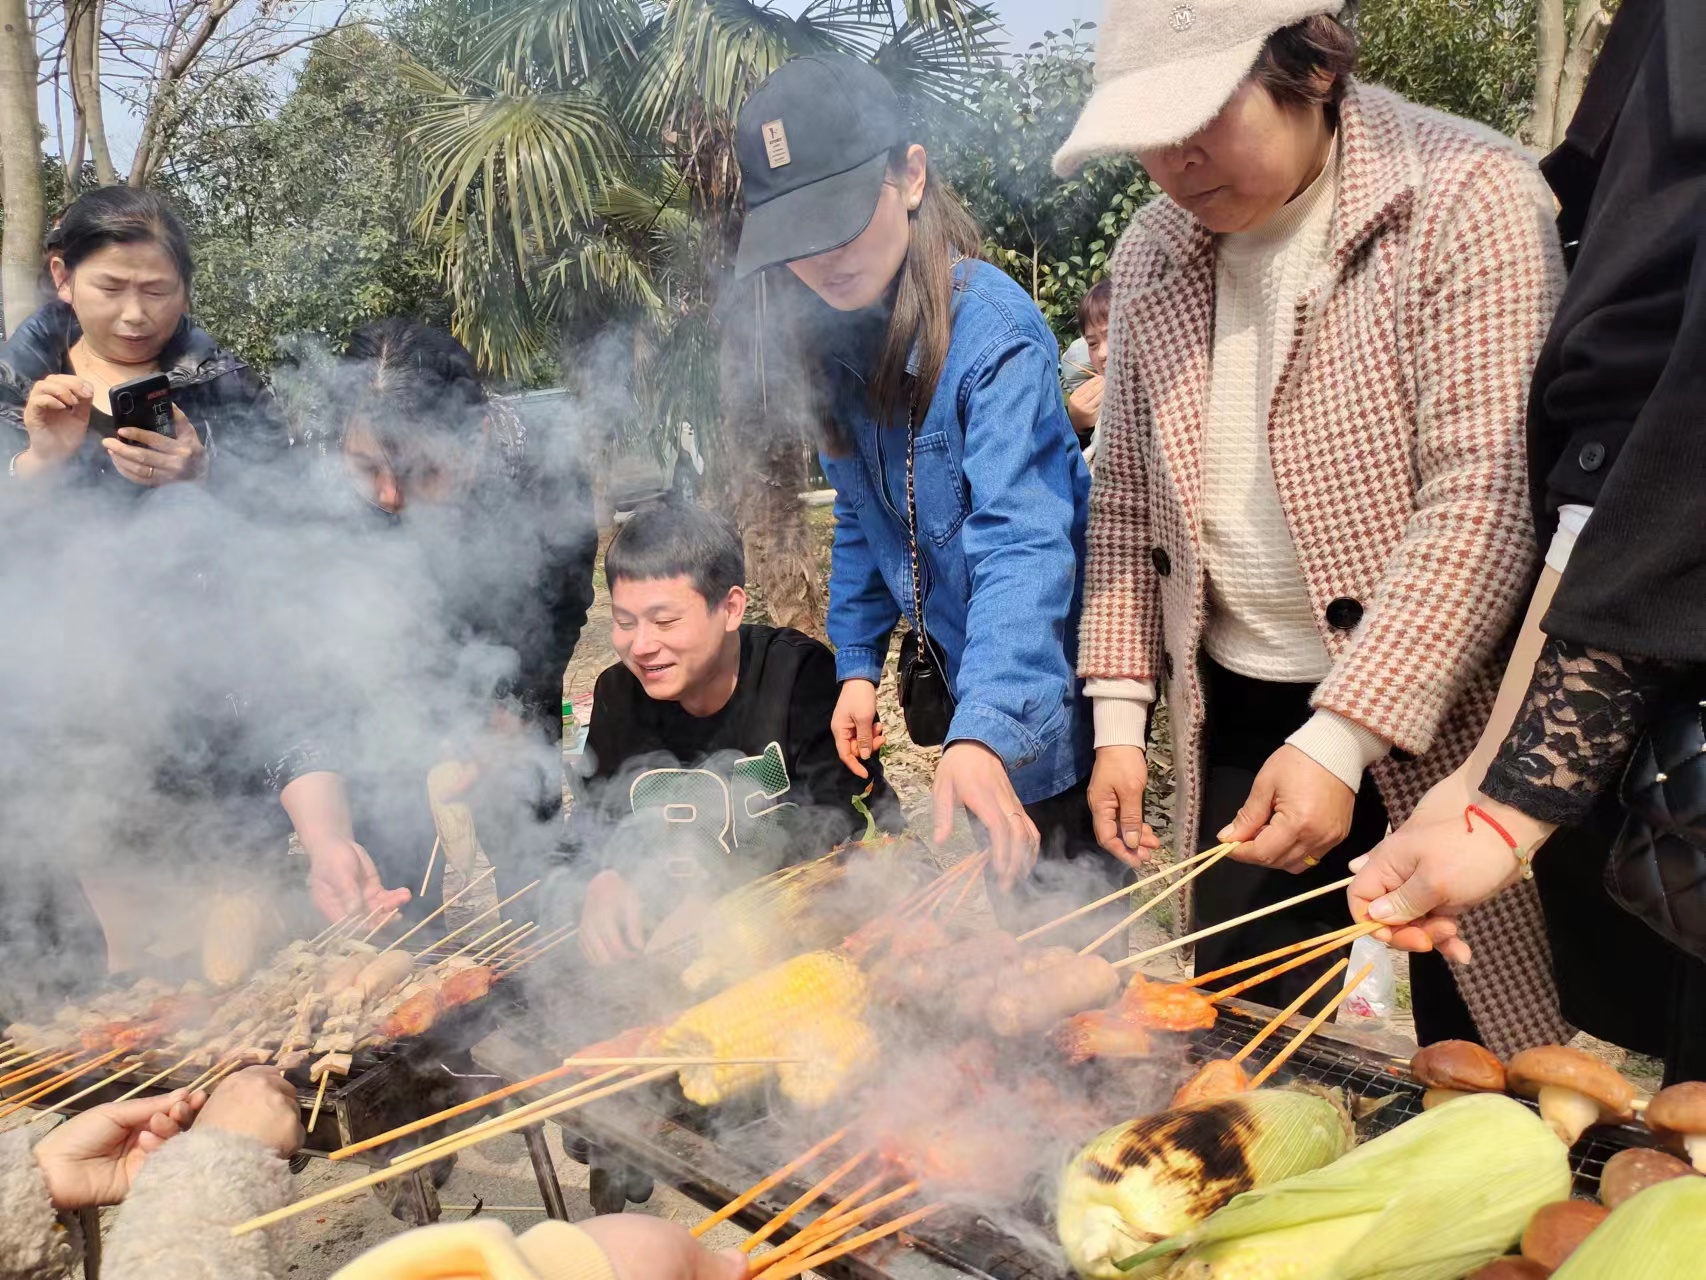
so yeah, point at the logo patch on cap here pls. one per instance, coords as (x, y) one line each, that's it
(1183, 18)
(776, 144)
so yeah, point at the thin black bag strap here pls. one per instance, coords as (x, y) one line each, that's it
(912, 526)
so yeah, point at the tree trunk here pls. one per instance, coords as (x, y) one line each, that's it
(1551, 43)
(83, 52)
(20, 166)
(1586, 38)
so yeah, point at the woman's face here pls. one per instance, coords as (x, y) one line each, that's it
(128, 299)
(857, 275)
(433, 475)
(1096, 339)
(1242, 167)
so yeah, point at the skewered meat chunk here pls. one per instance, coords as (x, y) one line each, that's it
(414, 1016)
(1167, 1006)
(383, 973)
(1038, 1000)
(468, 986)
(1219, 1078)
(1101, 1033)
(335, 1062)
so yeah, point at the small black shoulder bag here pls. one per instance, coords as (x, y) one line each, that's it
(1657, 870)
(925, 699)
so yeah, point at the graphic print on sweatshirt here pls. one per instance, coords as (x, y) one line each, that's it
(740, 812)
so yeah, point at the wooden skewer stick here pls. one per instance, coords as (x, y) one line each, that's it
(533, 953)
(157, 1078)
(432, 861)
(439, 1146)
(1278, 953)
(218, 1071)
(499, 927)
(325, 935)
(821, 1228)
(782, 1219)
(1234, 923)
(1156, 901)
(508, 1125)
(495, 909)
(319, 1101)
(1286, 966)
(1310, 1028)
(1286, 1014)
(800, 1266)
(463, 1108)
(767, 1182)
(832, 1225)
(384, 920)
(443, 907)
(114, 1078)
(75, 1072)
(47, 1064)
(491, 953)
(1087, 908)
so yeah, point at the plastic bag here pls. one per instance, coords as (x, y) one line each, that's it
(1376, 995)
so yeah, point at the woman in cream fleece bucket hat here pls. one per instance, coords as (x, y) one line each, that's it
(1310, 525)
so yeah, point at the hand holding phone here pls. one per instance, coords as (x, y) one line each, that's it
(153, 443)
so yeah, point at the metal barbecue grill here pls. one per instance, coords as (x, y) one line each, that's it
(675, 1142)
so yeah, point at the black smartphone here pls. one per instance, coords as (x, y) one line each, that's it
(144, 402)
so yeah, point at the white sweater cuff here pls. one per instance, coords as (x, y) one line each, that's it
(1121, 710)
(1342, 747)
(1572, 519)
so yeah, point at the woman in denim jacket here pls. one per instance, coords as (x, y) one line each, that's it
(916, 330)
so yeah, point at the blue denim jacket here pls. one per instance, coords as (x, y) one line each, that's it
(1003, 496)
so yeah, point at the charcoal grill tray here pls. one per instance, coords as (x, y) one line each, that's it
(672, 1140)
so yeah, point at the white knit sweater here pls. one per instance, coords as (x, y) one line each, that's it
(1261, 622)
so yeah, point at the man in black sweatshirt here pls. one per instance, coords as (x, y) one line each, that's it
(711, 758)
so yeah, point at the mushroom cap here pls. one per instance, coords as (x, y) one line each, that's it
(1679, 1110)
(1512, 1269)
(1556, 1229)
(1458, 1064)
(1632, 1171)
(1566, 1068)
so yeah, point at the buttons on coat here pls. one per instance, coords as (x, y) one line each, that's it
(1592, 456)
(1162, 561)
(1344, 613)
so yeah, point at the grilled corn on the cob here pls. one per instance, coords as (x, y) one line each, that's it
(757, 1018)
(836, 1051)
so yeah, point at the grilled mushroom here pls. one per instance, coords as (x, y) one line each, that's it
(1630, 1172)
(1557, 1229)
(1575, 1089)
(1453, 1068)
(1511, 1269)
(1678, 1116)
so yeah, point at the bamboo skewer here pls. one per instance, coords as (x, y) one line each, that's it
(156, 1079)
(432, 861)
(1286, 966)
(499, 927)
(463, 1108)
(767, 1182)
(831, 1225)
(114, 1078)
(418, 1161)
(821, 1228)
(782, 1219)
(1332, 935)
(1286, 1014)
(384, 920)
(490, 954)
(533, 953)
(1117, 894)
(319, 1101)
(1248, 916)
(800, 1266)
(75, 1072)
(47, 1064)
(496, 908)
(1310, 1028)
(218, 1071)
(1158, 899)
(443, 907)
(325, 935)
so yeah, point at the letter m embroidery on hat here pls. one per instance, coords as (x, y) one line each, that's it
(776, 144)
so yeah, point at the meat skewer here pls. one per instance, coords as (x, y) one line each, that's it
(802, 1265)
(837, 1221)
(495, 909)
(812, 1194)
(535, 952)
(1117, 894)
(1278, 953)
(1156, 901)
(1286, 966)
(445, 906)
(766, 1183)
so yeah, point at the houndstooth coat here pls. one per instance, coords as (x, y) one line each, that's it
(1396, 432)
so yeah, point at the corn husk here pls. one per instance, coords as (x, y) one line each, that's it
(1141, 1182)
(1433, 1199)
(1657, 1235)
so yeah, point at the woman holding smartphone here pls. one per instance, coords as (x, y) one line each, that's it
(958, 479)
(120, 261)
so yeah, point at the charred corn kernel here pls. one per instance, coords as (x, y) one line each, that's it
(756, 1018)
(1433, 1199)
(836, 1054)
(1140, 1182)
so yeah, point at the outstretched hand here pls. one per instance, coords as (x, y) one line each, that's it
(972, 777)
(1298, 811)
(642, 1248)
(93, 1158)
(343, 881)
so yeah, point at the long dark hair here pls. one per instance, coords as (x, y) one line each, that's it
(120, 215)
(413, 376)
(943, 233)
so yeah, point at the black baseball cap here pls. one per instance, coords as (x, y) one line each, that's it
(813, 142)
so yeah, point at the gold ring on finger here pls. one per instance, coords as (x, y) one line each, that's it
(1312, 862)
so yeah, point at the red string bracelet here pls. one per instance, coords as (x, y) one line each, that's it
(1476, 811)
